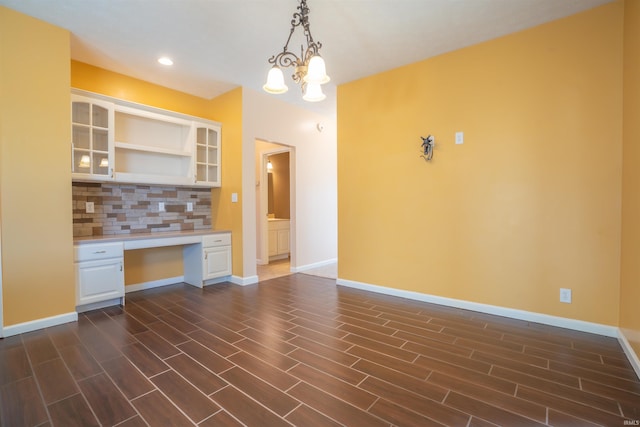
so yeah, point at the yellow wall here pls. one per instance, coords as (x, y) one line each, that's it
(35, 165)
(528, 204)
(99, 80)
(148, 265)
(227, 215)
(144, 266)
(630, 266)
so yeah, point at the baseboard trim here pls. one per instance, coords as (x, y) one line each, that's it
(217, 280)
(153, 284)
(34, 325)
(306, 267)
(529, 316)
(100, 304)
(629, 351)
(244, 281)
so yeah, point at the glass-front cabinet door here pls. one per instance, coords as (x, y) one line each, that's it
(208, 155)
(92, 134)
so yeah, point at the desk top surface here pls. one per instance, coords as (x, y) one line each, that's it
(144, 236)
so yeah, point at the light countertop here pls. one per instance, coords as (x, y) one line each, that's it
(144, 236)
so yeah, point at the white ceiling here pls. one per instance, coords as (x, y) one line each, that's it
(218, 45)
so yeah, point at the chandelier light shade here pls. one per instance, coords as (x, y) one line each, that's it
(316, 71)
(275, 81)
(309, 70)
(313, 93)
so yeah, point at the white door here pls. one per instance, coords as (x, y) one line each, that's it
(99, 281)
(217, 262)
(283, 241)
(273, 242)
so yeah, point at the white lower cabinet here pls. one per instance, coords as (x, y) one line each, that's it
(216, 251)
(279, 237)
(217, 262)
(273, 242)
(208, 260)
(99, 274)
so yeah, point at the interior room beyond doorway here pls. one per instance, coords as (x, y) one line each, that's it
(275, 217)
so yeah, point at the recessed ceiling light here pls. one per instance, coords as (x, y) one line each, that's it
(165, 60)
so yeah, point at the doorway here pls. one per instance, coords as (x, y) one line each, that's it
(275, 209)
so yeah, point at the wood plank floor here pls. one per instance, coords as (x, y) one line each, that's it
(299, 350)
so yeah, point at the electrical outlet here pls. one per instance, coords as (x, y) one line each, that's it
(189, 206)
(161, 206)
(459, 137)
(89, 207)
(565, 295)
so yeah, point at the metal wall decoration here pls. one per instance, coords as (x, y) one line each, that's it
(427, 147)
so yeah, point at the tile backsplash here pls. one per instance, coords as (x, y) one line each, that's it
(129, 209)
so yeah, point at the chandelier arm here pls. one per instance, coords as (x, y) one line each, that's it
(285, 59)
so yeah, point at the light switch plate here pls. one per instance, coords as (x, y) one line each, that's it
(234, 197)
(89, 207)
(565, 295)
(189, 206)
(161, 206)
(459, 137)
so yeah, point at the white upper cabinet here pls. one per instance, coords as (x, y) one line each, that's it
(140, 144)
(92, 138)
(207, 154)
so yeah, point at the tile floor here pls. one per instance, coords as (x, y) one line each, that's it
(274, 269)
(329, 271)
(299, 350)
(282, 267)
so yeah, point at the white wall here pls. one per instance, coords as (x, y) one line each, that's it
(267, 118)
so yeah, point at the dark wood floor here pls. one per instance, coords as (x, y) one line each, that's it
(300, 350)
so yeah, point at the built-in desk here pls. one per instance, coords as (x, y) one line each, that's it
(99, 262)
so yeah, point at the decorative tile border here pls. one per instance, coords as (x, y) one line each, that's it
(133, 209)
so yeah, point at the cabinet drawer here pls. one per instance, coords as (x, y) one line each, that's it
(223, 239)
(97, 251)
(279, 224)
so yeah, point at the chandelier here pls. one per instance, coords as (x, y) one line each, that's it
(309, 68)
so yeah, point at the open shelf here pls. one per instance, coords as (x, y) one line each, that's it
(150, 149)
